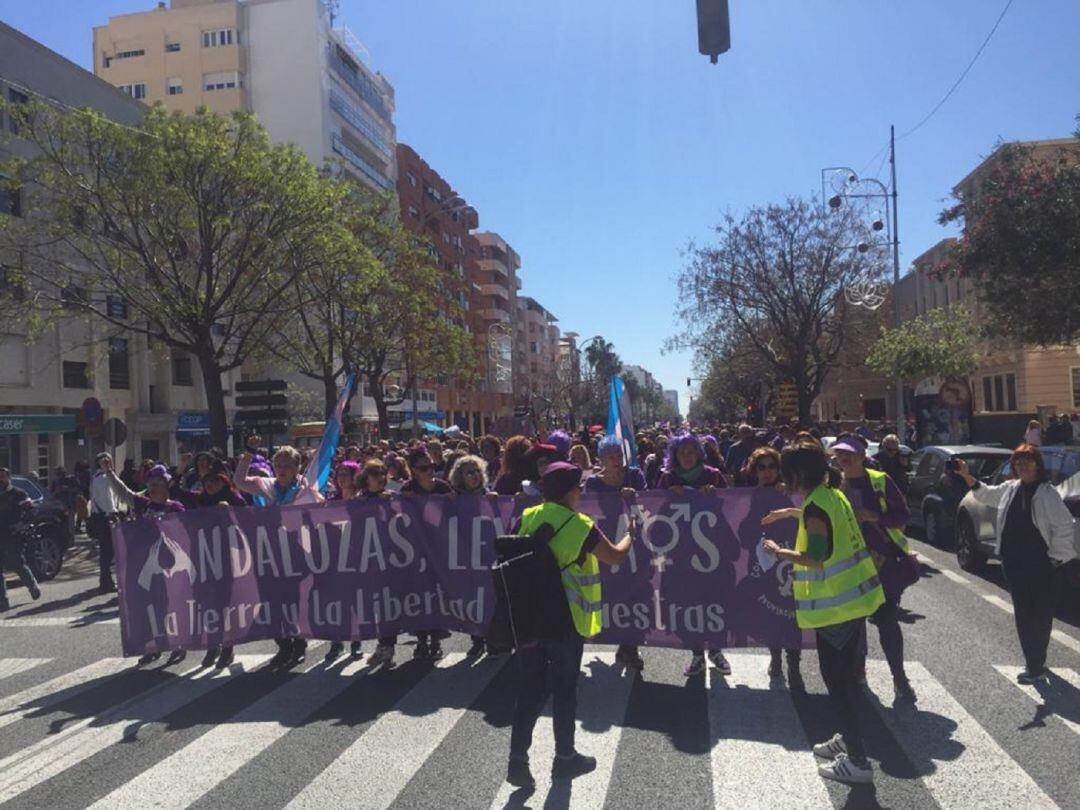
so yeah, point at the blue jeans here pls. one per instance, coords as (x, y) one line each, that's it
(12, 560)
(554, 665)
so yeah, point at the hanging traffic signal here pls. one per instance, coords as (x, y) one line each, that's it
(714, 29)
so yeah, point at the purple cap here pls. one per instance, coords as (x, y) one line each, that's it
(851, 444)
(558, 479)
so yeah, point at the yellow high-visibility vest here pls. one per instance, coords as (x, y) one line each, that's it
(580, 582)
(877, 481)
(847, 587)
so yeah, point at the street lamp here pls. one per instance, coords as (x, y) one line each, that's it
(848, 186)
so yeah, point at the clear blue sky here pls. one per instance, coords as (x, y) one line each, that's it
(595, 139)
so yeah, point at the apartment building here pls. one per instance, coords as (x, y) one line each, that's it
(536, 353)
(45, 383)
(308, 82)
(482, 274)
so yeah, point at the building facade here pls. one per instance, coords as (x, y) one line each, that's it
(536, 353)
(45, 382)
(482, 276)
(307, 82)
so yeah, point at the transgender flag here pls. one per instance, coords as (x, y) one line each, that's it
(318, 472)
(620, 421)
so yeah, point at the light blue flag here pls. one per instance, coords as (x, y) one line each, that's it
(321, 465)
(620, 421)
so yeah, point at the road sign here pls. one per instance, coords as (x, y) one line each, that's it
(266, 415)
(260, 385)
(91, 416)
(261, 401)
(276, 429)
(115, 432)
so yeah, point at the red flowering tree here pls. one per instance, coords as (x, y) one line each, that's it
(1021, 243)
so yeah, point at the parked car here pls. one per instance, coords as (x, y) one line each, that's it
(933, 496)
(975, 521)
(50, 536)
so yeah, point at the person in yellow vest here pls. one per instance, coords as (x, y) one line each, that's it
(883, 513)
(836, 587)
(577, 545)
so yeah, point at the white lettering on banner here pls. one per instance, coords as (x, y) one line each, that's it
(385, 607)
(264, 554)
(231, 619)
(408, 554)
(343, 548)
(210, 559)
(286, 555)
(324, 549)
(664, 616)
(239, 552)
(372, 548)
(705, 543)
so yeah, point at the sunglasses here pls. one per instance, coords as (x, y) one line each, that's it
(765, 467)
(470, 471)
(378, 473)
(422, 467)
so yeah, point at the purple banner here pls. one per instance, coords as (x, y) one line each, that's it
(371, 568)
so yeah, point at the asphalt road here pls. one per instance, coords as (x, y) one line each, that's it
(81, 726)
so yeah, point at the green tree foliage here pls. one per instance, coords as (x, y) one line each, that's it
(199, 224)
(774, 282)
(1021, 244)
(939, 343)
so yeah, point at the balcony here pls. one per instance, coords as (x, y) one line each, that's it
(494, 266)
(364, 167)
(359, 82)
(490, 314)
(360, 121)
(496, 290)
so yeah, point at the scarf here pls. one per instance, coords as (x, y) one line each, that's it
(691, 476)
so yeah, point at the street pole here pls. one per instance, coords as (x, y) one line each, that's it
(896, 277)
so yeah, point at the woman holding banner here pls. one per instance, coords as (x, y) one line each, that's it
(286, 488)
(763, 469)
(615, 476)
(685, 467)
(836, 588)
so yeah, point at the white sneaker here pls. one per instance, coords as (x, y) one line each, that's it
(721, 663)
(384, 654)
(831, 748)
(696, 666)
(842, 769)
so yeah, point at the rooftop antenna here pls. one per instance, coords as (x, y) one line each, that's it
(333, 7)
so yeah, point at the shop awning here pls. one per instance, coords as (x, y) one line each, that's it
(13, 423)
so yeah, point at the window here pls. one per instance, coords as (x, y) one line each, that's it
(116, 306)
(172, 47)
(414, 212)
(222, 36)
(119, 373)
(999, 392)
(1074, 373)
(73, 296)
(133, 90)
(75, 375)
(222, 81)
(15, 97)
(174, 86)
(11, 285)
(181, 369)
(10, 199)
(129, 54)
(411, 178)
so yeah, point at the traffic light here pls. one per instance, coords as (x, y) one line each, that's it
(713, 27)
(751, 413)
(687, 382)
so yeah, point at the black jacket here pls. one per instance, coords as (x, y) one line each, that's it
(14, 508)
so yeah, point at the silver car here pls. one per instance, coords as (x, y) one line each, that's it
(975, 521)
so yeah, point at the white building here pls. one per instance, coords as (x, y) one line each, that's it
(45, 383)
(671, 396)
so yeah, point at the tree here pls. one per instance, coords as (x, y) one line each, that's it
(408, 326)
(1021, 244)
(190, 230)
(602, 362)
(323, 340)
(939, 343)
(775, 282)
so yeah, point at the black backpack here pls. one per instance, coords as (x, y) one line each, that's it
(530, 600)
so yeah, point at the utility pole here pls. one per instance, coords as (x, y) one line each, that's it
(896, 276)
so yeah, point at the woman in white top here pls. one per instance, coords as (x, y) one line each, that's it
(1034, 540)
(1034, 434)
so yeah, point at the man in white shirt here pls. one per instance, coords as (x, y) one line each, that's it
(104, 510)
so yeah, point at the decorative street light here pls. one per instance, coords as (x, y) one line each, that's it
(850, 189)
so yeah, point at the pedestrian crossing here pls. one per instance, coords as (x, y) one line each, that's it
(755, 751)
